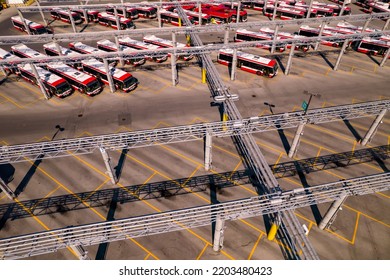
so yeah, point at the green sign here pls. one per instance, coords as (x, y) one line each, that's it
(304, 105)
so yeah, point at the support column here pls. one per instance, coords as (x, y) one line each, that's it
(309, 9)
(218, 234)
(72, 21)
(275, 7)
(275, 37)
(173, 61)
(107, 161)
(109, 76)
(118, 21)
(40, 11)
(345, 44)
(6, 190)
(331, 214)
(24, 22)
(238, 11)
(289, 61)
(297, 138)
(119, 47)
(226, 37)
(366, 24)
(207, 151)
(343, 8)
(387, 54)
(39, 82)
(58, 48)
(200, 13)
(320, 34)
(159, 17)
(373, 128)
(80, 251)
(85, 16)
(386, 24)
(233, 66)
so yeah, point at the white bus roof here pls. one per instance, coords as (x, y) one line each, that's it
(65, 51)
(27, 51)
(379, 41)
(138, 43)
(248, 56)
(109, 44)
(43, 74)
(69, 71)
(6, 55)
(195, 14)
(166, 43)
(253, 32)
(355, 28)
(116, 73)
(109, 16)
(64, 11)
(28, 22)
(86, 48)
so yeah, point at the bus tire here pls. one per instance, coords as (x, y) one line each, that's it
(259, 73)
(335, 45)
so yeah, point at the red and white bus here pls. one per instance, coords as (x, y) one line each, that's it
(108, 46)
(285, 13)
(336, 8)
(173, 18)
(249, 62)
(243, 35)
(147, 11)
(377, 7)
(110, 21)
(35, 28)
(53, 84)
(221, 8)
(51, 50)
(131, 13)
(286, 35)
(78, 80)
(139, 45)
(80, 47)
(217, 17)
(195, 16)
(317, 10)
(64, 16)
(167, 44)
(356, 29)
(374, 46)
(91, 14)
(308, 31)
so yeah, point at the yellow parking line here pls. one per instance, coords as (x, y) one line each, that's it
(12, 101)
(235, 168)
(3, 196)
(95, 190)
(146, 257)
(382, 194)
(356, 227)
(255, 246)
(277, 161)
(366, 215)
(49, 194)
(202, 252)
(145, 182)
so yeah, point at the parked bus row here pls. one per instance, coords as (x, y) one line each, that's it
(371, 6)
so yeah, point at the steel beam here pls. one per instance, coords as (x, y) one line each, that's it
(118, 22)
(331, 214)
(39, 81)
(226, 37)
(238, 11)
(275, 37)
(274, 12)
(233, 66)
(317, 44)
(109, 76)
(309, 9)
(374, 127)
(6, 190)
(343, 48)
(289, 61)
(295, 143)
(119, 48)
(208, 151)
(79, 250)
(72, 21)
(218, 234)
(175, 78)
(110, 169)
(24, 22)
(86, 16)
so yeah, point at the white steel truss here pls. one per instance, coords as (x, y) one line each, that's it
(86, 235)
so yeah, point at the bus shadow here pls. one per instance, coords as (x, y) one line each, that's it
(330, 64)
(353, 130)
(374, 59)
(281, 65)
(23, 184)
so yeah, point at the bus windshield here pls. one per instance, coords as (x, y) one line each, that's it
(127, 25)
(77, 17)
(274, 70)
(62, 88)
(129, 82)
(92, 86)
(41, 30)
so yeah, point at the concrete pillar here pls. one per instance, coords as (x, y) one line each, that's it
(345, 44)
(233, 66)
(85, 16)
(207, 151)
(80, 251)
(159, 17)
(342, 8)
(41, 86)
(109, 76)
(297, 138)
(110, 169)
(238, 11)
(119, 47)
(226, 37)
(72, 21)
(330, 215)
(320, 34)
(6, 190)
(386, 24)
(275, 7)
(24, 22)
(173, 61)
(58, 48)
(289, 61)
(200, 13)
(275, 37)
(118, 22)
(40, 11)
(309, 9)
(218, 234)
(373, 128)
(366, 24)
(387, 54)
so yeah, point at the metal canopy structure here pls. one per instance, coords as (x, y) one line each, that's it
(126, 140)
(86, 235)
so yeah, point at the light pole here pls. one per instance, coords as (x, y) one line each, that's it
(308, 102)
